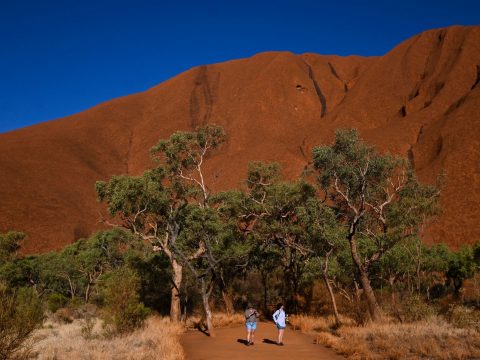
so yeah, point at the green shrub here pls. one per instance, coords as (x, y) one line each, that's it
(21, 312)
(414, 308)
(75, 303)
(56, 301)
(123, 310)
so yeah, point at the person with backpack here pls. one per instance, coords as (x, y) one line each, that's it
(279, 317)
(251, 316)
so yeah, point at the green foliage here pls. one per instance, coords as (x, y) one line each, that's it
(56, 301)
(20, 272)
(462, 266)
(185, 150)
(378, 199)
(123, 310)
(154, 272)
(10, 243)
(377, 195)
(128, 195)
(21, 312)
(415, 308)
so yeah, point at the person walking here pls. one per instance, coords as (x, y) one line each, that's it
(280, 317)
(251, 316)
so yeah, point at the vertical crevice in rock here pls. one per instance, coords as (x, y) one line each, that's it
(318, 91)
(201, 99)
(477, 80)
(333, 71)
(410, 154)
(129, 151)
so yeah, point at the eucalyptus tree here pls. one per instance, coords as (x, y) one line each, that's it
(375, 196)
(292, 222)
(401, 262)
(100, 253)
(183, 157)
(325, 237)
(155, 206)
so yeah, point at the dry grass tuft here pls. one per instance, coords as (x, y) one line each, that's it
(219, 320)
(429, 339)
(308, 324)
(159, 339)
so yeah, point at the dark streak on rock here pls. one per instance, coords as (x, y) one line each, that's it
(200, 95)
(414, 93)
(129, 150)
(456, 105)
(321, 97)
(411, 155)
(302, 148)
(333, 71)
(477, 81)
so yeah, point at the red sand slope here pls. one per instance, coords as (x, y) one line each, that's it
(421, 100)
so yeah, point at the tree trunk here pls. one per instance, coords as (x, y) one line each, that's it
(227, 299)
(391, 281)
(175, 305)
(206, 307)
(373, 307)
(265, 292)
(87, 292)
(332, 298)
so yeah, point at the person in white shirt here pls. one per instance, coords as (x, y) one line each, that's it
(280, 320)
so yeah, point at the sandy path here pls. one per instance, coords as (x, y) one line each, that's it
(228, 345)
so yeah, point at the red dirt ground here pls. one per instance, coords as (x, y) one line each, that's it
(421, 100)
(227, 345)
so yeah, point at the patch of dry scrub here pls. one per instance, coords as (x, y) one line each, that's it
(219, 320)
(428, 339)
(159, 339)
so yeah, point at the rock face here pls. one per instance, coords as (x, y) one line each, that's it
(420, 100)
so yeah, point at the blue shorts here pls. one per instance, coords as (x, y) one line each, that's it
(251, 325)
(280, 327)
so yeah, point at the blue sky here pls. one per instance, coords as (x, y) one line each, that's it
(61, 57)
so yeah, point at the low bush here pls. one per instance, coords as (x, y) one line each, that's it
(123, 311)
(414, 308)
(21, 312)
(464, 317)
(56, 301)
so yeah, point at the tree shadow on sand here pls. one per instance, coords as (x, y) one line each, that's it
(202, 329)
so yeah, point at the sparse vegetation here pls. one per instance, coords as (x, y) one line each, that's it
(21, 313)
(434, 338)
(158, 339)
(123, 312)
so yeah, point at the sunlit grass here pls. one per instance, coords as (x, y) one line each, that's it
(159, 339)
(428, 339)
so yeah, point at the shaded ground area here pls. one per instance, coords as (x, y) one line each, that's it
(230, 344)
